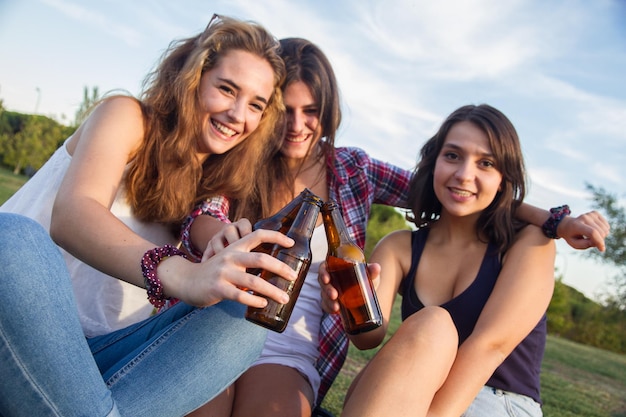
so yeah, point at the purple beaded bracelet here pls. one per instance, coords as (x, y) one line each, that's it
(556, 215)
(149, 263)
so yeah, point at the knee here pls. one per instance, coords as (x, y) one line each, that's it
(32, 265)
(24, 238)
(433, 324)
(20, 232)
(252, 335)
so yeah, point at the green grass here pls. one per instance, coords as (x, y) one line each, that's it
(580, 380)
(576, 380)
(9, 183)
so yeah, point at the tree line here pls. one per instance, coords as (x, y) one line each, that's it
(27, 141)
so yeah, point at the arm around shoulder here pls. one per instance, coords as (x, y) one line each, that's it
(582, 232)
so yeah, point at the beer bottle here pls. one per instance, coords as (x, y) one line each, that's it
(275, 316)
(358, 305)
(282, 220)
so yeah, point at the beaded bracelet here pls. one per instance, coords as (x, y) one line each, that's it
(556, 215)
(149, 263)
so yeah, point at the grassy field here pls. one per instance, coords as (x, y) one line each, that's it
(577, 380)
(9, 183)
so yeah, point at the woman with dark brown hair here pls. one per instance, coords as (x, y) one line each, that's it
(475, 284)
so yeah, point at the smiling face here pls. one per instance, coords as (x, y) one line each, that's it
(466, 178)
(303, 123)
(233, 96)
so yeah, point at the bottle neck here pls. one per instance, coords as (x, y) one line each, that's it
(336, 230)
(306, 219)
(283, 218)
(340, 243)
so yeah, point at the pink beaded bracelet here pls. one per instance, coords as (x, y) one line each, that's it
(556, 215)
(149, 263)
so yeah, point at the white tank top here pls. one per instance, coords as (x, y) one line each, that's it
(104, 303)
(298, 346)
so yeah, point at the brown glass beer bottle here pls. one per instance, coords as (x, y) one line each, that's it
(275, 316)
(358, 305)
(282, 220)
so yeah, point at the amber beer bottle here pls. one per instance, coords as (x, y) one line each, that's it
(274, 315)
(358, 305)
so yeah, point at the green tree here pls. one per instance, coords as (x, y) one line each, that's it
(383, 220)
(5, 127)
(574, 316)
(33, 141)
(86, 105)
(11, 122)
(615, 253)
(559, 311)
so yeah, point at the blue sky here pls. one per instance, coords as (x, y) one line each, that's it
(555, 67)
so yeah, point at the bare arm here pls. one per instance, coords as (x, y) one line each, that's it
(209, 234)
(583, 232)
(203, 229)
(83, 224)
(519, 299)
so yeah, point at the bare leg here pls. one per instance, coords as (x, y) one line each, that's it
(405, 374)
(270, 390)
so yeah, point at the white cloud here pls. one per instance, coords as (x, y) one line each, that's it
(103, 20)
(452, 40)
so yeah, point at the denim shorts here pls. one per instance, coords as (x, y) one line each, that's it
(492, 402)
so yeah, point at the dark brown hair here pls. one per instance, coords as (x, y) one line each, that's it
(497, 222)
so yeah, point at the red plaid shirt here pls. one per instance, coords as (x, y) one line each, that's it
(355, 181)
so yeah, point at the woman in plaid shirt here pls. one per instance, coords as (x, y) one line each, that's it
(299, 365)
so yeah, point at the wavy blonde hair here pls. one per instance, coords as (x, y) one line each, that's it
(165, 179)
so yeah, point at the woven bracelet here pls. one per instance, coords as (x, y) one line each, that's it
(556, 215)
(149, 264)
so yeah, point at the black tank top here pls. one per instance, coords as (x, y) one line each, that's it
(519, 373)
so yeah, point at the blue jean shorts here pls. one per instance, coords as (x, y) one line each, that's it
(492, 402)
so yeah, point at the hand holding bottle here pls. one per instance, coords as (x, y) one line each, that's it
(348, 271)
(330, 295)
(224, 275)
(275, 316)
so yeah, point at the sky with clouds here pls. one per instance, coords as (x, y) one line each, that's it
(555, 68)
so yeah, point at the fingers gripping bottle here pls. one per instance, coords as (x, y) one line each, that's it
(275, 316)
(359, 308)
